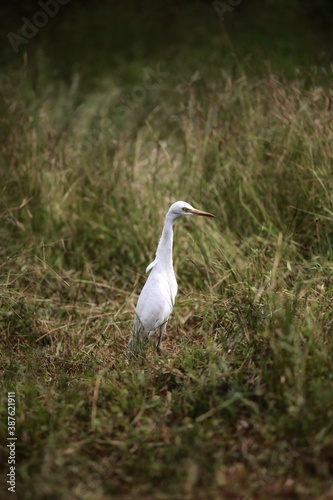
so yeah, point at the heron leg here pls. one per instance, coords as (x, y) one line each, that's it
(161, 330)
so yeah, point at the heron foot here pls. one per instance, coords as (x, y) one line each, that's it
(158, 350)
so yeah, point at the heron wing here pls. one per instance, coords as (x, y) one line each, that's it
(155, 303)
(151, 265)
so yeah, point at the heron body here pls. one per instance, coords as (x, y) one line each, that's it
(157, 298)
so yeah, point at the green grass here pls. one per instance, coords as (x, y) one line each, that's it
(240, 403)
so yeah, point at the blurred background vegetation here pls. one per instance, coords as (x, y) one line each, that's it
(95, 39)
(111, 112)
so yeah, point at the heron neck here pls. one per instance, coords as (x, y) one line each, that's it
(164, 249)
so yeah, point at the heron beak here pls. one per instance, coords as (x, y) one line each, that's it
(194, 211)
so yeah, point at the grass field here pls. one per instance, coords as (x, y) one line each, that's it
(240, 403)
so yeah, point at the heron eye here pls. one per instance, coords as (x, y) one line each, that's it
(185, 209)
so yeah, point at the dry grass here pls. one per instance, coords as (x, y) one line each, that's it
(241, 401)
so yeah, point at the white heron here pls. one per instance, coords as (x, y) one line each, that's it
(158, 295)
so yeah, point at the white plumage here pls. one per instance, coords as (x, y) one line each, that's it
(158, 295)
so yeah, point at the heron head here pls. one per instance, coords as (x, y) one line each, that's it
(182, 208)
